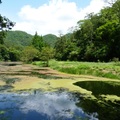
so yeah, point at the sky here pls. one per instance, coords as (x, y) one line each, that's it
(48, 16)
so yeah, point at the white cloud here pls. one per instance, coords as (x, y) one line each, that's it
(57, 15)
(95, 6)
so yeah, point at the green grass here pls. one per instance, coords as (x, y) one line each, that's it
(108, 70)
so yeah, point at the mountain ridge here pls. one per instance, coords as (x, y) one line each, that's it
(22, 38)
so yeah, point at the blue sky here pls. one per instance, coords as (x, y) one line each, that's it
(47, 16)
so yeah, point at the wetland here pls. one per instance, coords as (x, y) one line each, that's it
(30, 92)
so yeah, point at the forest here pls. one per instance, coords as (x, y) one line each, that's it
(96, 38)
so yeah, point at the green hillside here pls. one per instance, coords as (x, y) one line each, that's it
(18, 38)
(50, 39)
(21, 39)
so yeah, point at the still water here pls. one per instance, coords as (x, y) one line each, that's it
(106, 109)
(99, 87)
(62, 105)
(42, 106)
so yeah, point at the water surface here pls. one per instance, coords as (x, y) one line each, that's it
(42, 106)
(99, 87)
(106, 108)
(62, 105)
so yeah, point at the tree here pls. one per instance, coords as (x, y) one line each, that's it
(2, 36)
(37, 42)
(14, 54)
(5, 24)
(60, 47)
(29, 54)
(84, 36)
(116, 9)
(46, 54)
(98, 35)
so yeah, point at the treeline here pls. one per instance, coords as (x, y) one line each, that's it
(20, 46)
(97, 37)
(38, 50)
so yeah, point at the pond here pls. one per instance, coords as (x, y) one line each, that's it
(61, 104)
(99, 87)
(42, 106)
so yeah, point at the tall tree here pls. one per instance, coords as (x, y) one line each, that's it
(5, 24)
(38, 42)
(98, 35)
(60, 48)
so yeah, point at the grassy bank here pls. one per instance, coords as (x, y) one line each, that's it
(108, 70)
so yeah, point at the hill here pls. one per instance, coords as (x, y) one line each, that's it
(21, 39)
(18, 38)
(50, 39)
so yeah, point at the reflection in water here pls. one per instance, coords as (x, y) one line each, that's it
(99, 87)
(42, 106)
(106, 109)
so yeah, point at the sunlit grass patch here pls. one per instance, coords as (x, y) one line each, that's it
(108, 70)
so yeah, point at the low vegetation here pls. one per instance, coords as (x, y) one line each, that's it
(108, 70)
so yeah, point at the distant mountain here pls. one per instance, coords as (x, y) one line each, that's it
(18, 38)
(50, 39)
(21, 39)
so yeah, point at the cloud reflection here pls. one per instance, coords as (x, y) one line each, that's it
(43, 106)
(54, 105)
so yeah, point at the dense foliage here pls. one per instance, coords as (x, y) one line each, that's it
(38, 42)
(38, 50)
(17, 43)
(96, 39)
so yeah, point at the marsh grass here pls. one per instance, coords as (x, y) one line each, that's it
(108, 70)
(117, 63)
(41, 63)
